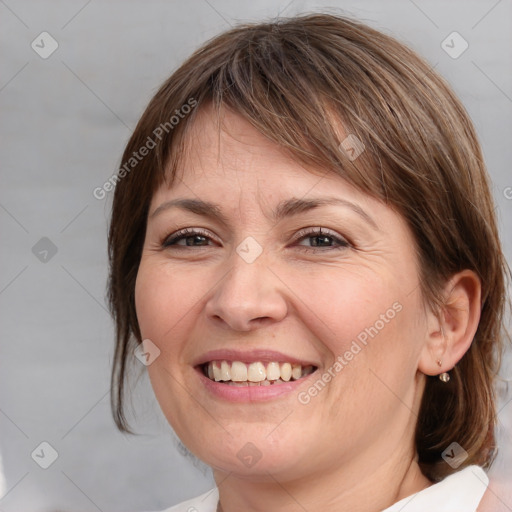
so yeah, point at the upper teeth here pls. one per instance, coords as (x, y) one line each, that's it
(237, 371)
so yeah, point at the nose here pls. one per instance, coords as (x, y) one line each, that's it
(248, 296)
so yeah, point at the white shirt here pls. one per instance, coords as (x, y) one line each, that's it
(459, 492)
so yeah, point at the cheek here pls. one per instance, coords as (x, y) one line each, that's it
(374, 312)
(164, 301)
(345, 307)
(363, 323)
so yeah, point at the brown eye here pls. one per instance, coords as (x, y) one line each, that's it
(322, 239)
(192, 238)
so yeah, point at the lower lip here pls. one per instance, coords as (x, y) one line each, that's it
(250, 393)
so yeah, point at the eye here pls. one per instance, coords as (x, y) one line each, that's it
(192, 237)
(322, 239)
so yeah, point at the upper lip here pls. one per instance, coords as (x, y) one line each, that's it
(250, 356)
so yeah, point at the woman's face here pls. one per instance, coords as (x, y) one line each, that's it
(258, 285)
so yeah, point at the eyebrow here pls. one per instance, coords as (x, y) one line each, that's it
(287, 208)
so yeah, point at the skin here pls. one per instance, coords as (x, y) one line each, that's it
(351, 447)
(497, 498)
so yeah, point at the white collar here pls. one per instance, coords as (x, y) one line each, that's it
(459, 492)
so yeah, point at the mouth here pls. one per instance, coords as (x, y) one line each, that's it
(256, 373)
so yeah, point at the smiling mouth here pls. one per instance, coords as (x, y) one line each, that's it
(237, 373)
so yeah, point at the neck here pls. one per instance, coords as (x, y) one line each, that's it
(344, 490)
(369, 477)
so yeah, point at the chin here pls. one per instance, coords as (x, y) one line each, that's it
(251, 456)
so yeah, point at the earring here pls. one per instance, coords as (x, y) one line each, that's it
(445, 376)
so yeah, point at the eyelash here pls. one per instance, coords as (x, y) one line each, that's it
(305, 233)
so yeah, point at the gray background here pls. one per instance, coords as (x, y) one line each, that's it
(64, 123)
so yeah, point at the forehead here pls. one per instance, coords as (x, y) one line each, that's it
(228, 163)
(224, 147)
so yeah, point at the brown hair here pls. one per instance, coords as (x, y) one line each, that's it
(295, 80)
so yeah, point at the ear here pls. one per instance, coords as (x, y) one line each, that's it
(450, 334)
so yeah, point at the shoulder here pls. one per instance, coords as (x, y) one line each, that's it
(206, 502)
(497, 498)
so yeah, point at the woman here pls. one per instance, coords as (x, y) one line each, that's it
(304, 254)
